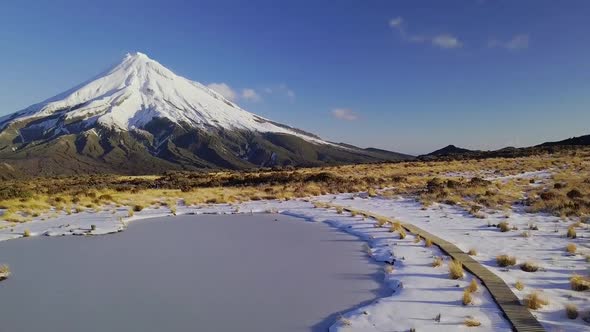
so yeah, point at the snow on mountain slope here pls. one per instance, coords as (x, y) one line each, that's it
(139, 90)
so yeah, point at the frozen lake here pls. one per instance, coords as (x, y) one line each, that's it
(188, 273)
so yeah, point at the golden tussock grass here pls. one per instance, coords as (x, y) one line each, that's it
(519, 285)
(467, 299)
(529, 267)
(428, 243)
(437, 261)
(455, 269)
(472, 322)
(472, 252)
(571, 248)
(535, 301)
(504, 226)
(571, 311)
(505, 260)
(473, 286)
(579, 283)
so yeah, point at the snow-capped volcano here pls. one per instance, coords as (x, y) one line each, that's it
(136, 91)
(140, 117)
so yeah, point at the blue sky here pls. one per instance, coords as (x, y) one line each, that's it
(410, 76)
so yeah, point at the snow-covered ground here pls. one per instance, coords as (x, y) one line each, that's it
(421, 292)
(545, 247)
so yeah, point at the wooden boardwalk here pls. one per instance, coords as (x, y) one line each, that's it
(518, 315)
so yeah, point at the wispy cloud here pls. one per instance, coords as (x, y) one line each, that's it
(250, 95)
(280, 90)
(229, 93)
(517, 42)
(224, 89)
(344, 114)
(445, 40)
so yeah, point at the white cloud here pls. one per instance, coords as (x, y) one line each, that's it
(396, 22)
(250, 95)
(291, 94)
(224, 90)
(518, 42)
(446, 41)
(344, 114)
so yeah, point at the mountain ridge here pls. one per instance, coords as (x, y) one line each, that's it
(139, 117)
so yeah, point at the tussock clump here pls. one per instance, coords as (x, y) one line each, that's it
(137, 208)
(417, 239)
(505, 260)
(571, 311)
(472, 252)
(535, 301)
(93, 227)
(571, 248)
(130, 213)
(467, 297)
(26, 233)
(472, 286)
(571, 232)
(526, 234)
(519, 285)
(472, 322)
(428, 243)
(529, 267)
(504, 226)
(455, 270)
(579, 283)
(339, 210)
(437, 261)
(4, 272)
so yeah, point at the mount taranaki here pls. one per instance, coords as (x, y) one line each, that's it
(140, 117)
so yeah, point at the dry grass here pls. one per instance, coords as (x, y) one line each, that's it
(467, 297)
(579, 283)
(428, 243)
(472, 322)
(571, 232)
(455, 269)
(437, 261)
(571, 248)
(529, 267)
(571, 311)
(137, 207)
(535, 301)
(519, 285)
(472, 286)
(504, 226)
(4, 271)
(417, 239)
(472, 252)
(505, 260)
(25, 199)
(26, 233)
